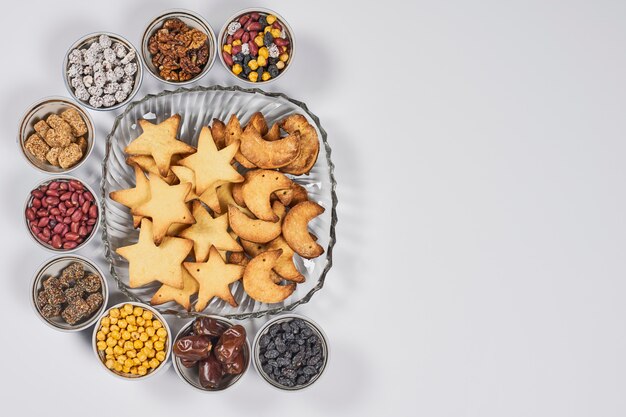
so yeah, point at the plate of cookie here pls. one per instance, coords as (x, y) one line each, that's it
(218, 200)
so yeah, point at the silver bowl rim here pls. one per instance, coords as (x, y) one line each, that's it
(119, 38)
(176, 365)
(36, 278)
(63, 177)
(263, 329)
(40, 104)
(189, 14)
(288, 30)
(168, 351)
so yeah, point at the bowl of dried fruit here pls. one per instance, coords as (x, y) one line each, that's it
(132, 341)
(55, 135)
(290, 352)
(211, 353)
(178, 47)
(102, 71)
(69, 293)
(256, 45)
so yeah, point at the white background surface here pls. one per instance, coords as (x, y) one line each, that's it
(479, 269)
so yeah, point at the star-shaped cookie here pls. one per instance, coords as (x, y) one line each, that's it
(211, 165)
(185, 174)
(214, 277)
(208, 232)
(134, 197)
(149, 263)
(165, 206)
(181, 296)
(160, 142)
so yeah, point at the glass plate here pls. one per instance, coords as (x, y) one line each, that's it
(198, 107)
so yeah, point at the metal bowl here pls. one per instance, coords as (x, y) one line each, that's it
(94, 231)
(290, 35)
(265, 329)
(88, 40)
(192, 20)
(53, 267)
(40, 111)
(190, 375)
(130, 377)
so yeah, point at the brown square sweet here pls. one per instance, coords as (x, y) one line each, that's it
(53, 156)
(70, 155)
(37, 147)
(41, 127)
(82, 142)
(76, 122)
(60, 134)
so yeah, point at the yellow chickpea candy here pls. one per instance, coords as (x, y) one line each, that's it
(108, 350)
(105, 321)
(150, 331)
(159, 346)
(145, 364)
(131, 328)
(267, 28)
(280, 65)
(237, 69)
(253, 76)
(157, 324)
(115, 335)
(135, 335)
(133, 370)
(126, 370)
(131, 320)
(142, 356)
(123, 314)
(147, 315)
(140, 321)
(100, 336)
(128, 345)
(105, 330)
(275, 33)
(284, 57)
(128, 363)
(270, 19)
(237, 42)
(154, 363)
(118, 350)
(141, 329)
(121, 359)
(152, 353)
(107, 357)
(120, 342)
(131, 353)
(136, 361)
(137, 311)
(142, 370)
(149, 344)
(128, 308)
(143, 337)
(161, 332)
(259, 40)
(122, 324)
(109, 363)
(101, 345)
(117, 366)
(160, 356)
(114, 320)
(253, 64)
(115, 312)
(111, 342)
(138, 344)
(261, 60)
(228, 48)
(264, 52)
(114, 327)
(126, 335)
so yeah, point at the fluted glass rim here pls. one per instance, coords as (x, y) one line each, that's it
(333, 185)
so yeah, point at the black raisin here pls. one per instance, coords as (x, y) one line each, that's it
(282, 362)
(295, 329)
(272, 354)
(274, 61)
(309, 370)
(312, 340)
(293, 347)
(286, 327)
(271, 346)
(268, 39)
(297, 359)
(314, 360)
(289, 373)
(273, 70)
(281, 347)
(286, 382)
(267, 369)
(263, 21)
(264, 341)
(274, 329)
(302, 380)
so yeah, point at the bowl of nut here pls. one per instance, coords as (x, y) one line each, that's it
(62, 214)
(132, 341)
(178, 47)
(256, 45)
(55, 135)
(102, 71)
(69, 293)
(290, 352)
(211, 353)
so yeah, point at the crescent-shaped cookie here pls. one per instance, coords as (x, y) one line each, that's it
(295, 229)
(257, 190)
(257, 279)
(266, 154)
(309, 144)
(257, 121)
(255, 230)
